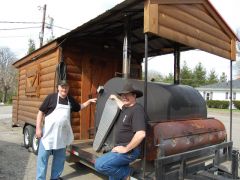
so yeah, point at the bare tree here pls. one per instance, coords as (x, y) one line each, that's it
(31, 46)
(237, 63)
(7, 72)
(236, 66)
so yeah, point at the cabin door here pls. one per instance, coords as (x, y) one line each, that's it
(101, 71)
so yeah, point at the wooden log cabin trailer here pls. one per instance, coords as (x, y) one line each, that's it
(115, 43)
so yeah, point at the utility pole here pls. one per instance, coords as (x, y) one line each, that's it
(41, 35)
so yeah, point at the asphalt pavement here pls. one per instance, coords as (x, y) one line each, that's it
(224, 117)
(18, 163)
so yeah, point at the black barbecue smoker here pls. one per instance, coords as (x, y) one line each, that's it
(182, 141)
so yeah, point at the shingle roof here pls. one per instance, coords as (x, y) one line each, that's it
(223, 85)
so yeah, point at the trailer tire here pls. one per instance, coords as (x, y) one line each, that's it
(28, 134)
(35, 144)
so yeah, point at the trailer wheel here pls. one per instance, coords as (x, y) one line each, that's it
(28, 134)
(35, 145)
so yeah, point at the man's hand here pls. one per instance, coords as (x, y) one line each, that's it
(117, 99)
(113, 97)
(38, 133)
(88, 102)
(93, 100)
(120, 149)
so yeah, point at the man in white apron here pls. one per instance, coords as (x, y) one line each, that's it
(57, 132)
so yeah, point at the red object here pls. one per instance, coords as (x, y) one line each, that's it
(174, 137)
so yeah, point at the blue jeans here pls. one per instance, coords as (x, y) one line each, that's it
(59, 156)
(116, 165)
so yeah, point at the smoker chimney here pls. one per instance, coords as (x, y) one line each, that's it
(126, 49)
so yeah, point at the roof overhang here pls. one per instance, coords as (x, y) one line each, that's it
(194, 23)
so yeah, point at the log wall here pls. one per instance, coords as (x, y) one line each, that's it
(85, 72)
(36, 81)
(193, 23)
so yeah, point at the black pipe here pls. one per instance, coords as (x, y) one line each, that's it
(145, 98)
(230, 100)
(176, 66)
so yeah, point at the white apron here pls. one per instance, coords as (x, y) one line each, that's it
(57, 128)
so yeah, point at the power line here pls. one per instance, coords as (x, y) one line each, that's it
(25, 22)
(19, 22)
(6, 29)
(13, 36)
(9, 29)
(61, 28)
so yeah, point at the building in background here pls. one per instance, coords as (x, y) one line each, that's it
(221, 91)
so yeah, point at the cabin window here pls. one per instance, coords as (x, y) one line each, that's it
(226, 95)
(234, 95)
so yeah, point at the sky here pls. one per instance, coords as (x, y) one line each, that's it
(70, 14)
